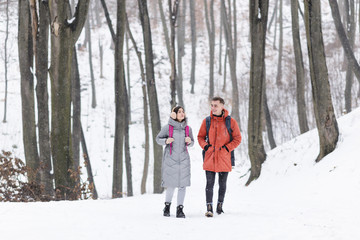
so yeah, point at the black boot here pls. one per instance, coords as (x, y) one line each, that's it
(209, 212)
(179, 212)
(167, 209)
(219, 209)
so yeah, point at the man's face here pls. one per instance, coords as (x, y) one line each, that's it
(216, 107)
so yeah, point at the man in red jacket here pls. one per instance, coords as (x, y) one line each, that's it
(217, 146)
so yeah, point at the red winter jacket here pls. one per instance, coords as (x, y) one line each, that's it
(218, 159)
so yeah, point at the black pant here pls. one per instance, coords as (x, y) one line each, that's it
(210, 180)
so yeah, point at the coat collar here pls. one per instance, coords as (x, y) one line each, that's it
(226, 113)
(178, 125)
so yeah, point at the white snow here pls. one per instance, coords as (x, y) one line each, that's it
(294, 198)
(302, 201)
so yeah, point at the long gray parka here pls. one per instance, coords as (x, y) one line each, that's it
(175, 167)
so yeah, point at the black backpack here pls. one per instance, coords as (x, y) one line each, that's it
(228, 126)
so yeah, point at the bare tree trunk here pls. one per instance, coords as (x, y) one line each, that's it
(181, 52)
(225, 62)
(231, 55)
(97, 15)
(349, 73)
(25, 44)
(120, 91)
(300, 78)
(76, 112)
(63, 38)
(88, 33)
(151, 87)
(258, 20)
(6, 58)
(88, 165)
(193, 44)
(323, 107)
(268, 116)
(128, 72)
(46, 178)
(279, 69)
(101, 53)
(274, 15)
(173, 10)
(210, 25)
(145, 104)
(344, 40)
(235, 30)
(127, 144)
(165, 29)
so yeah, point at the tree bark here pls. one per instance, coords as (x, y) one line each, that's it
(323, 107)
(258, 20)
(344, 39)
(210, 25)
(120, 100)
(93, 90)
(63, 37)
(145, 104)
(300, 78)
(25, 45)
(42, 38)
(181, 52)
(165, 29)
(6, 58)
(88, 165)
(173, 12)
(232, 63)
(76, 112)
(151, 87)
(279, 69)
(351, 34)
(193, 45)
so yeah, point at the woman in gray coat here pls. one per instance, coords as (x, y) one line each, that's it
(177, 137)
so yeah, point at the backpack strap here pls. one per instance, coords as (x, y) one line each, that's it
(228, 126)
(208, 122)
(186, 135)
(171, 130)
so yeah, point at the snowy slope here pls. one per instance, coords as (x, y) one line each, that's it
(294, 199)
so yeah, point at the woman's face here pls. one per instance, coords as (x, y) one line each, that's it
(180, 115)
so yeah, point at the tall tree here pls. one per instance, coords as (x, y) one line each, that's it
(145, 104)
(323, 108)
(165, 29)
(351, 35)
(279, 69)
(25, 45)
(180, 39)
(41, 36)
(173, 13)
(258, 23)
(121, 102)
(93, 90)
(64, 34)
(210, 25)
(232, 63)
(344, 39)
(193, 45)
(6, 57)
(300, 78)
(151, 87)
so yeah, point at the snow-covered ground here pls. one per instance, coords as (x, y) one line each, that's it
(294, 199)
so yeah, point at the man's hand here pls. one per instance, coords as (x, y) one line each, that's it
(169, 140)
(207, 147)
(188, 140)
(225, 148)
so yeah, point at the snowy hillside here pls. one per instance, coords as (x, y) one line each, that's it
(294, 199)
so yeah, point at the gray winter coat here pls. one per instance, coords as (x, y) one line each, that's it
(175, 167)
